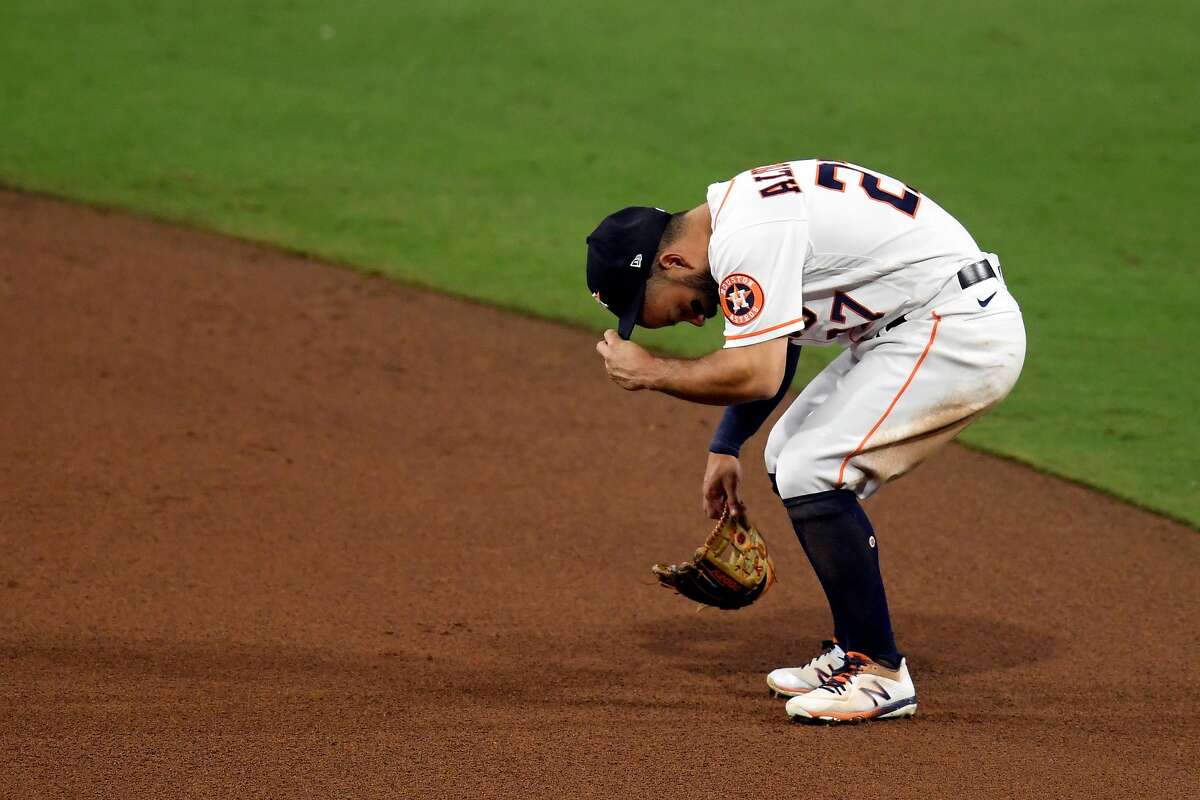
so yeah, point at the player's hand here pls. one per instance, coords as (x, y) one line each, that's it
(628, 364)
(722, 485)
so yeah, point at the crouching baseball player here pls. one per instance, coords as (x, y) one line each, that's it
(820, 253)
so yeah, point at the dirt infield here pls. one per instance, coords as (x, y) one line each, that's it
(274, 529)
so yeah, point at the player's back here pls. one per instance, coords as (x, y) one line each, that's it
(872, 243)
(861, 214)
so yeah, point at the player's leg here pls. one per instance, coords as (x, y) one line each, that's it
(812, 397)
(969, 362)
(792, 681)
(832, 527)
(907, 393)
(833, 531)
(840, 542)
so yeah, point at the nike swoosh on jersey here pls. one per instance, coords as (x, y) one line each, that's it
(983, 303)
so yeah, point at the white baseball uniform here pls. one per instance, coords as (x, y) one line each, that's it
(829, 252)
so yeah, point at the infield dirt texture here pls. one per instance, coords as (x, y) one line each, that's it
(273, 529)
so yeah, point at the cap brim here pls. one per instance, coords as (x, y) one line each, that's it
(630, 318)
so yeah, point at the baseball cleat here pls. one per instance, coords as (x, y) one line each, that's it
(793, 681)
(860, 690)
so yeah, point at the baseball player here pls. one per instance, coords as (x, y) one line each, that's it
(821, 253)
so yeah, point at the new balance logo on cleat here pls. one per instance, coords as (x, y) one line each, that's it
(876, 693)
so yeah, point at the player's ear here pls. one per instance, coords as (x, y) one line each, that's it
(671, 260)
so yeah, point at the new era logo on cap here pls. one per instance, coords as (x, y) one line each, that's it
(637, 261)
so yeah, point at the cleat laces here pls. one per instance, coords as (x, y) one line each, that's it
(826, 646)
(837, 682)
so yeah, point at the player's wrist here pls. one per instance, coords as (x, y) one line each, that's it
(654, 375)
(724, 447)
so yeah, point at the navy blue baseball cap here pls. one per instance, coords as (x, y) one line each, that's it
(620, 252)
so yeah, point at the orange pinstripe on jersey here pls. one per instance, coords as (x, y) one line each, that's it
(723, 199)
(766, 330)
(937, 320)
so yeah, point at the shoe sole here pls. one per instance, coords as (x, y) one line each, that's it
(897, 710)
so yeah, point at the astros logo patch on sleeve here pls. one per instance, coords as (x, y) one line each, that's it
(741, 298)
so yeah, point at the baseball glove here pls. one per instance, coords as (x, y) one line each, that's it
(730, 570)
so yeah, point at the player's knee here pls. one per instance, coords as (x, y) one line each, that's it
(800, 471)
(821, 504)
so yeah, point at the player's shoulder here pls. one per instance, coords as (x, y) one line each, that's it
(763, 194)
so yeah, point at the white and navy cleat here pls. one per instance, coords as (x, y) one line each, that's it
(860, 690)
(793, 681)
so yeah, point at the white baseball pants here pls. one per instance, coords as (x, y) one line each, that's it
(887, 403)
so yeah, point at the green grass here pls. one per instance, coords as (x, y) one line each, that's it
(471, 146)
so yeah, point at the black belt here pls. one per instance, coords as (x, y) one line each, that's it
(967, 276)
(975, 273)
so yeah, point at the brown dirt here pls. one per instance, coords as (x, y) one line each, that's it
(275, 529)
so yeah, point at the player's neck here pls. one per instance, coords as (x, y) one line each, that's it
(699, 229)
(701, 218)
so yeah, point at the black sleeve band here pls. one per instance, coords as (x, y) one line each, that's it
(742, 421)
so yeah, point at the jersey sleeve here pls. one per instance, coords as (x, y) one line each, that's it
(759, 271)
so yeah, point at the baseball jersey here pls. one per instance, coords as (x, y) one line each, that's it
(826, 251)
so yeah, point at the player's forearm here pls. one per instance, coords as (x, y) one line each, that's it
(741, 421)
(716, 379)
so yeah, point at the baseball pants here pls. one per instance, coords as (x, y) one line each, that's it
(887, 403)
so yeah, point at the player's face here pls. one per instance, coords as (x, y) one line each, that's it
(688, 298)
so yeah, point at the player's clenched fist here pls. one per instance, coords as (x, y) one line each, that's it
(628, 364)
